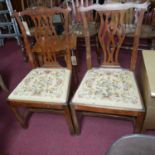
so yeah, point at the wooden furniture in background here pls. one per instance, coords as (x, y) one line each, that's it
(46, 87)
(76, 25)
(147, 83)
(111, 89)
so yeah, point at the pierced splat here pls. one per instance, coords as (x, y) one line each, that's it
(111, 35)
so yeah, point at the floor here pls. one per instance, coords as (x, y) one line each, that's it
(48, 133)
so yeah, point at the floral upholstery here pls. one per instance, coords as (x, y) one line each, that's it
(43, 85)
(106, 87)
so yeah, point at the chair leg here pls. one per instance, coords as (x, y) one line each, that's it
(20, 118)
(143, 129)
(69, 120)
(139, 122)
(75, 120)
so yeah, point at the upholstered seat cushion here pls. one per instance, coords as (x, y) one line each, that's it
(110, 88)
(43, 85)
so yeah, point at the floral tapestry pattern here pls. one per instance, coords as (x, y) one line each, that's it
(111, 85)
(43, 83)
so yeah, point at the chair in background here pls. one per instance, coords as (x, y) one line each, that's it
(111, 89)
(76, 25)
(46, 87)
(133, 144)
(58, 21)
(147, 31)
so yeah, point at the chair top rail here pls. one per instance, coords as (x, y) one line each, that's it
(42, 10)
(114, 6)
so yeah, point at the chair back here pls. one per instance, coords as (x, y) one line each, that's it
(43, 36)
(113, 29)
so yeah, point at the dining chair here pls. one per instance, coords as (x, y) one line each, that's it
(147, 30)
(111, 89)
(46, 87)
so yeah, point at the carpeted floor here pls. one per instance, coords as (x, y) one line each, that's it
(48, 133)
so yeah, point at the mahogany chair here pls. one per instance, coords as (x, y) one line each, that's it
(133, 144)
(46, 87)
(111, 89)
(2, 85)
(147, 30)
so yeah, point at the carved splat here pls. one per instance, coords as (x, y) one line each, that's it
(111, 35)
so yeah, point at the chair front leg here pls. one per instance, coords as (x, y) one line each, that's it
(75, 119)
(20, 118)
(68, 118)
(139, 122)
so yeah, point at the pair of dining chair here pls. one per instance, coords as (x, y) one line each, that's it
(108, 89)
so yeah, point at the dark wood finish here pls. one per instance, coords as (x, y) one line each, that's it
(111, 36)
(43, 46)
